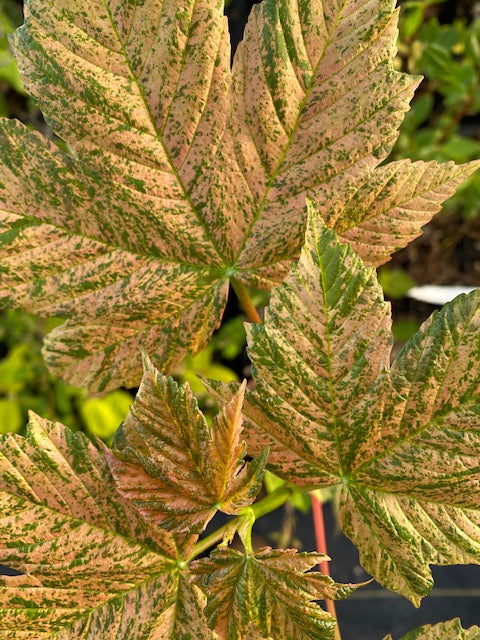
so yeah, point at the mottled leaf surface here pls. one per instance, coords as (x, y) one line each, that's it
(317, 104)
(176, 469)
(269, 593)
(402, 441)
(91, 568)
(451, 630)
(178, 173)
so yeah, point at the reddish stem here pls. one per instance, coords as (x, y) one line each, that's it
(321, 541)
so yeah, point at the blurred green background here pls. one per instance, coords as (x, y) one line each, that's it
(439, 39)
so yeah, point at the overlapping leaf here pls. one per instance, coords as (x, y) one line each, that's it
(90, 566)
(268, 592)
(451, 630)
(172, 182)
(176, 469)
(402, 443)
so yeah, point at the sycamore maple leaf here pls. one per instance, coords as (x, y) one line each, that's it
(451, 630)
(401, 442)
(90, 566)
(178, 173)
(176, 469)
(267, 593)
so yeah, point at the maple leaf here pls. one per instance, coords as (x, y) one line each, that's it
(401, 443)
(179, 174)
(451, 630)
(267, 594)
(90, 565)
(176, 469)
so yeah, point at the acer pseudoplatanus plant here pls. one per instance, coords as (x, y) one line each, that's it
(174, 177)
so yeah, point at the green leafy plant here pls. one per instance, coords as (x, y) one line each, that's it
(173, 178)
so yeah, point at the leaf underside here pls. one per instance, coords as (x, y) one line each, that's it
(267, 594)
(402, 442)
(89, 566)
(176, 469)
(179, 173)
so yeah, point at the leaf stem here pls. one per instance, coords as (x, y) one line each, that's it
(260, 508)
(245, 301)
(319, 526)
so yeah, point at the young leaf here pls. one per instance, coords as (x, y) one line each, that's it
(403, 444)
(176, 469)
(451, 630)
(171, 181)
(91, 567)
(267, 594)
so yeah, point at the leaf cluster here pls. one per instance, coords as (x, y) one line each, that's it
(174, 178)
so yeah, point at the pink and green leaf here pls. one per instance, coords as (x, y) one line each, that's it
(402, 442)
(451, 630)
(89, 566)
(270, 593)
(173, 179)
(176, 469)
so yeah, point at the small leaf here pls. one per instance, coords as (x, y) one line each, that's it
(451, 630)
(269, 591)
(89, 564)
(176, 469)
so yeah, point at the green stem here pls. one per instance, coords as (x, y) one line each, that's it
(260, 508)
(245, 301)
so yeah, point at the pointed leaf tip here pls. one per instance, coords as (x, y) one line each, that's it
(132, 235)
(177, 470)
(87, 560)
(400, 440)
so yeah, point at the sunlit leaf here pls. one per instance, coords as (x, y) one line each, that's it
(89, 566)
(402, 442)
(451, 630)
(176, 173)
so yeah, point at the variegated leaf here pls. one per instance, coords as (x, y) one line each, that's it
(91, 568)
(116, 236)
(386, 209)
(176, 469)
(269, 590)
(170, 183)
(317, 105)
(403, 444)
(451, 630)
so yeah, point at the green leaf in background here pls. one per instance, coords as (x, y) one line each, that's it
(11, 418)
(299, 499)
(404, 328)
(395, 282)
(102, 416)
(8, 67)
